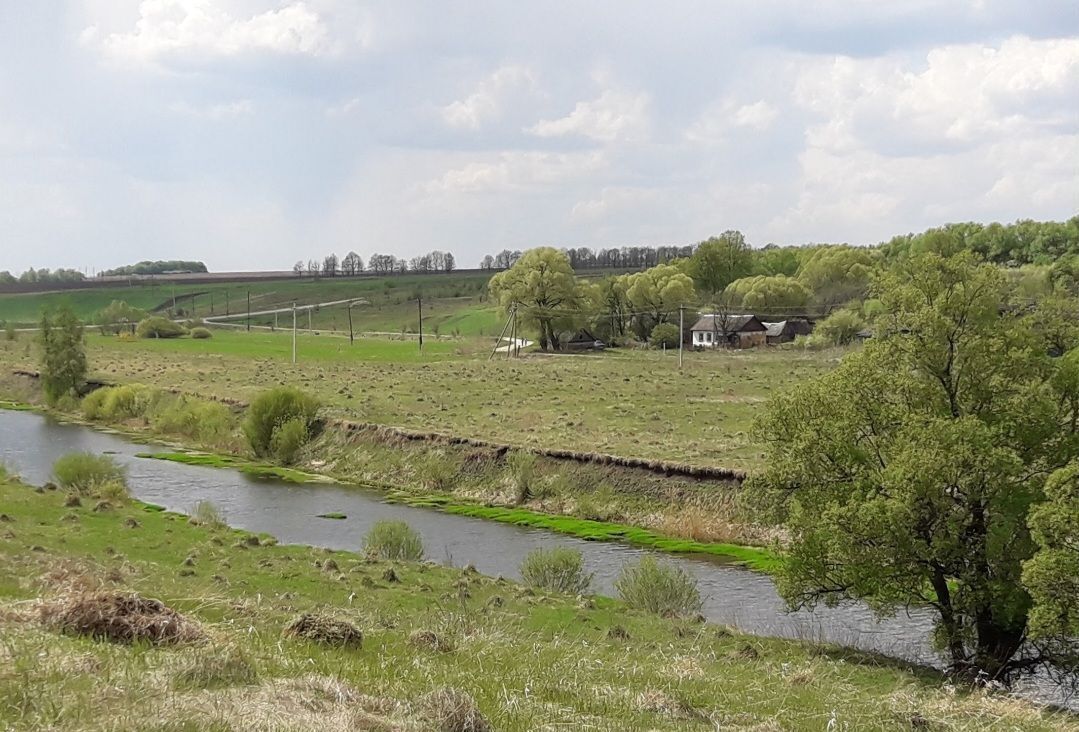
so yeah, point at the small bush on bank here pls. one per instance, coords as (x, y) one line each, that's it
(522, 466)
(559, 570)
(116, 402)
(288, 439)
(664, 589)
(201, 333)
(394, 540)
(206, 514)
(664, 335)
(159, 327)
(271, 410)
(85, 472)
(209, 422)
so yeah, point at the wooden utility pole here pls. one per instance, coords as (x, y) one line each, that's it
(293, 333)
(419, 311)
(211, 302)
(516, 334)
(309, 328)
(227, 312)
(174, 301)
(351, 340)
(681, 332)
(275, 322)
(249, 311)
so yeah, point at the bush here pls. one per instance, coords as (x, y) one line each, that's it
(206, 514)
(116, 316)
(522, 465)
(200, 333)
(288, 439)
(209, 422)
(838, 329)
(664, 589)
(558, 570)
(665, 335)
(394, 540)
(85, 472)
(116, 402)
(159, 327)
(271, 410)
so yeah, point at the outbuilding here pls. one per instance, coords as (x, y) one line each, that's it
(786, 331)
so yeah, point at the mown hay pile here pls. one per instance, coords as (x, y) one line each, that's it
(452, 710)
(120, 618)
(326, 630)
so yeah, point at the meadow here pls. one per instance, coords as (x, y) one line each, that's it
(624, 402)
(437, 641)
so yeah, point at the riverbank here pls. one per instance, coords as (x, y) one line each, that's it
(590, 663)
(592, 500)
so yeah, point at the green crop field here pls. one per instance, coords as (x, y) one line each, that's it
(521, 659)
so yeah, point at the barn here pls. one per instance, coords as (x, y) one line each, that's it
(729, 331)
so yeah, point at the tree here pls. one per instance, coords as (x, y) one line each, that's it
(907, 475)
(312, 267)
(488, 262)
(449, 263)
(836, 275)
(113, 318)
(655, 295)
(329, 265)
(838, 329)
(1056, 319)
(775, 260)
(720, 261)
(774, 293)
(542, 285)
(297, 269)
(1051, 576)
(63, 355)
(665, 335)
(609, 302)
(351, 264)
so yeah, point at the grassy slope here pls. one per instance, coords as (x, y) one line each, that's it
(634, 404)
(533, 662)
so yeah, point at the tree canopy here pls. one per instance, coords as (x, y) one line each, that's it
(544, 289)
(907, 476)
(655, 295)
(719, 261)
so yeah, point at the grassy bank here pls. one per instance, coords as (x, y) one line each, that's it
(634, 404)
(586, 665)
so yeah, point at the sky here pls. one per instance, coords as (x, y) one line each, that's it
(254, 133)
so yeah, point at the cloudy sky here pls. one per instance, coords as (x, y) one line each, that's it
(252, 133)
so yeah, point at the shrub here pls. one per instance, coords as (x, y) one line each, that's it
(159, 327)
(210, 422)
(200, 333)
(63, 357)
(273, 408)
(522, 465)
(394, 540)
(206, 514)
(838, 329)
(85, 471)
(664, 335)
(559, 570)
(664, 589)
(116, 316)
(288, 439)
(116, 402)
(9, 332)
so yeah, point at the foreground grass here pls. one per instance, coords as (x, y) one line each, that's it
(531, 662)
(635, 404)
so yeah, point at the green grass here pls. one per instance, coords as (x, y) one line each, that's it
(529, 661)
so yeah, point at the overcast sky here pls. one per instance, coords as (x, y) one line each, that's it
(252, 133)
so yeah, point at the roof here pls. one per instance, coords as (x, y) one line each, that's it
(775, 330)
(582, 336)
(728, 323)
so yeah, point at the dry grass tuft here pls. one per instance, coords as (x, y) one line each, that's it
(452, 710)
(429, 640)
(325, 630)
(659, 702)
(215, 668)
(120, 618)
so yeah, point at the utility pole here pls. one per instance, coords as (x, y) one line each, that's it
(681, 332)
(275, 322)
(294, 333)
(174, 301)
(351, 340)
(516, 336)
(211, 302)
(309, 328)
(227, 303)
(249, 311)
(513, 332)
(419, 311)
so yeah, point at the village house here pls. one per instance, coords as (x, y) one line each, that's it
(786, 331)
(728, 331)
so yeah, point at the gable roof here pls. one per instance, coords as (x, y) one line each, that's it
(775, 330)
(728, 323)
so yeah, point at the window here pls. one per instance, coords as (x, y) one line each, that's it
(708, 337)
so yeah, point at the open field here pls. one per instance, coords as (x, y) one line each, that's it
(577, 670)
(452, 303)
(632, 403)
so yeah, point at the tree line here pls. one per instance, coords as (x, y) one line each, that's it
(33, 276)
(161, 266)
(380, 264)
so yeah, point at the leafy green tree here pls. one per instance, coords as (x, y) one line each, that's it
(655, 296)
(1052, 575)
(776, 260)
(908, 474)
(838, 274)
(543, 287)
(1056, 319)
(112, 318)
(607, 298)
(838, 329)
(664, 335)
(719, 261)
(763, 293)
(63, 354)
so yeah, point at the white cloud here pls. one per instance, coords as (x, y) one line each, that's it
(215, 112)
(615, 201)
(760, 115)
(486, 103)
(517, 170)
(613, 116)
(167, 27)
(343, 109)
(717, 121)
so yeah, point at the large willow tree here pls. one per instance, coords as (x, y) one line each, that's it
(908, 475)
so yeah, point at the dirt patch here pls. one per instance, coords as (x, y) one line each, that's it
(326, 630)
(120, 618)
